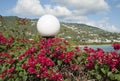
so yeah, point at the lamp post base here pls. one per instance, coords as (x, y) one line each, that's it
(47, 37)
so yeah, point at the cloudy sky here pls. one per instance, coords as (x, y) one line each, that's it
(100, 13)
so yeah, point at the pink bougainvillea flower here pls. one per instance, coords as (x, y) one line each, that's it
(116, 46)
(32, 70)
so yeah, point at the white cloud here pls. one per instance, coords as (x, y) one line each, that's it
(34, 8)
(118, 6)
(57, 10)
(75, 7)
(103, 24)
(28, 7)
(76, 19)
(83, 7)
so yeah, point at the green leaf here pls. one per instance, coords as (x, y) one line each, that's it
(66, 80)
(111, 75)
(59, 62)
(17, 79)
(21, 74)
(1, 79)
(98, 76)
(103, 70)
(117, 76)
(24, 78)
(46, 79)
(79, 59)
(75, 61)
(19, 68)
(25, 75)
(96, 67)
(92, 72)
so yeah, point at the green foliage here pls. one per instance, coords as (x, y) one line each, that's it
(59, 62)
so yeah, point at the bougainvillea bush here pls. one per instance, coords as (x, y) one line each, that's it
(101, 65)
(54, 59)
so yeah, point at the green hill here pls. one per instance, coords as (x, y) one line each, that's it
(73, 32)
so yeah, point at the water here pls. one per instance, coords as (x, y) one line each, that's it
(106, 48)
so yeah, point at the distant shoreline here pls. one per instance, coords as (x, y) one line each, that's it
(93, 44)
(96, 45)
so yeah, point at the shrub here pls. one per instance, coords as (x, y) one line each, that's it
(54, 59)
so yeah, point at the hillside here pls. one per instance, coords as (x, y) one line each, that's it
(73, 32)
(90, 34)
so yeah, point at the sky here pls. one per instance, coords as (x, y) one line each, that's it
(103, 14)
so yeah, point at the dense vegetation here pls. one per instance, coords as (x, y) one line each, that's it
(54, 59)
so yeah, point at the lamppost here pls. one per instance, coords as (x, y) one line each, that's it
(48, 26)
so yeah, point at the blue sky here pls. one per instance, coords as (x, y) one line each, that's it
(99, 13)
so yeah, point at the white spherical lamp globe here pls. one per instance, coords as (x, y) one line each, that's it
(48, 25)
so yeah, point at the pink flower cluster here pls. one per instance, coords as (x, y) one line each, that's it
(41, 61)
(7, 59)
(112, 59)
(6, 41)
(3, 40)
(7, 72)
(56, 49)
(116, 46)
